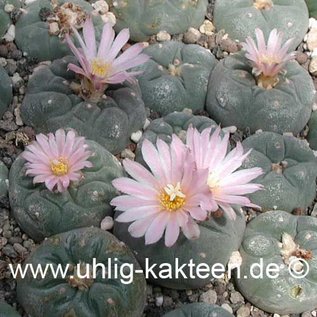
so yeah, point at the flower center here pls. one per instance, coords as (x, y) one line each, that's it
(99, 68)
(263, 4)
(172, 198)
(60, 167)
(269, 59)
(213, 182)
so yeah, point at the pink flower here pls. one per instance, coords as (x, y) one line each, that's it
(103, 66)
(56, 160)
(227, 185)
(268, 59)
(168, 198)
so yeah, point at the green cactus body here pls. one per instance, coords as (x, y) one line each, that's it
(178, 123)
(239, 18)
(50, 104)
(4, 181)
(312, 8)
(176, 77)
(199, 309)
(146, 18)
(262, 246)
(7, 310)
(312, 135)
(290, 171)
(4, 19)
(233, 97)
(32, 31)
(5, 90)
(219, 237)
(99, 294)
(42, 213)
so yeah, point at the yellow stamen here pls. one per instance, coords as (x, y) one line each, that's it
(270, 60)
(172, 198)
(99, 68)
(60, 167)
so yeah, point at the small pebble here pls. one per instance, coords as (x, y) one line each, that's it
(236, 297)
(227, 307)
(107, 223)
(192, 36)
(159, 301)
(163, 36)
(209, 297)
(9, 251)
(127, 153)
(243, 311)
(207, 28)
(136, 136)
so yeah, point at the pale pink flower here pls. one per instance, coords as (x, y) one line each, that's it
(268, 59)
(104, 66)
(56, 160)
(169, 198)
(227, 184)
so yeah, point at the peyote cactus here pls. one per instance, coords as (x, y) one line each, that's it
(5, 90)
(7, 311)
(95, 294)
(51, 102)
(149, 17)
(42, 213)
(290, 170)
(312, 135)
(5, 20)
(176, 77)
(41, 28)
(240, 18)
(178, 123)
(312, 8)
(219, 237)
(4, 181)
(285, 242)
(235, 98)
(199, 309)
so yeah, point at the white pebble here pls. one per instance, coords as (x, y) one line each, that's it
(159, 301)
(136, 136)
(10, 35)
(8, 8)
(163, 36)
(227, 307)
(107, 223)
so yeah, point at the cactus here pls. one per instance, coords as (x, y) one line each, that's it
(219, 237)
(38, 38)
(177, 122)
(97, 294)
(176, 77)
(240, 18)
(312, 8)
(42, 213)
(234, 98)
(274, 238)
(150, 17)
(4, 182)
(290, 171)
(312, 135)
(199, 309)
(5, 20)
(51, 103)
(7, 311)
(5, 91)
